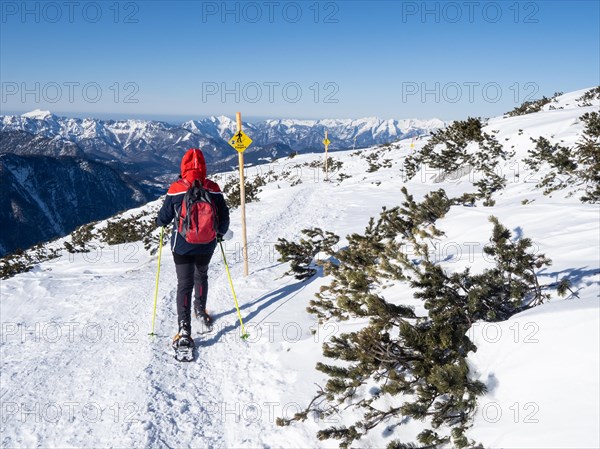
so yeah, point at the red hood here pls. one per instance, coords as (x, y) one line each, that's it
(193, 166)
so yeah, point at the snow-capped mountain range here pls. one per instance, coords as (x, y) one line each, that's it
(308, 134)
(153, 147)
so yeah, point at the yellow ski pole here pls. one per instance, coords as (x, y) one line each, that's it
(244, 334)
(162, 230)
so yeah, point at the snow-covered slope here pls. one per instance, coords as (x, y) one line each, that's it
(79, 370)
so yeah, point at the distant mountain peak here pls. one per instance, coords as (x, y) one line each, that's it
(38, 114)
(221, 118)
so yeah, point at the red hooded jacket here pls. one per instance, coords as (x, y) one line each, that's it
(193, 167)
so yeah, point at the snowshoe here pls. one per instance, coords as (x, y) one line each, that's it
(183, 345)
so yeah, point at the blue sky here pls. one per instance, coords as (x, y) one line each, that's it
(342, 59)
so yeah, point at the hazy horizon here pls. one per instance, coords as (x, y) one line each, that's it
(178, 119)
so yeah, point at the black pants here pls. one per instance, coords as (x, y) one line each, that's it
(192, 274)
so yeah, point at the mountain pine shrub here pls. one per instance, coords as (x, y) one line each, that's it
(251, 190)
(401, 366)
(588, 157)
(21, 261)
(376, 159)
(333, 165)
(589, 96)
(80, 237)
(529, 107)
(571, 166)
(122, 230)
(301, 255)
(447, 151)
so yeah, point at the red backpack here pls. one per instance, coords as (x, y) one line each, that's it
(198, 217)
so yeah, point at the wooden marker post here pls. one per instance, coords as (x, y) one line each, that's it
(238, 117)
(326, 142)
(240, 142)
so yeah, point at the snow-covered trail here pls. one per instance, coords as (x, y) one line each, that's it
(232, 379)
(113, 384)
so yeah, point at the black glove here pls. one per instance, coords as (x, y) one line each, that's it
(219, 238)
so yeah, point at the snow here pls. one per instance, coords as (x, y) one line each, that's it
(538, 380)
(37, 114)
(79, 370)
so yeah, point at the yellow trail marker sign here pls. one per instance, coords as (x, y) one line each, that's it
(240, 141)
(326, 142)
